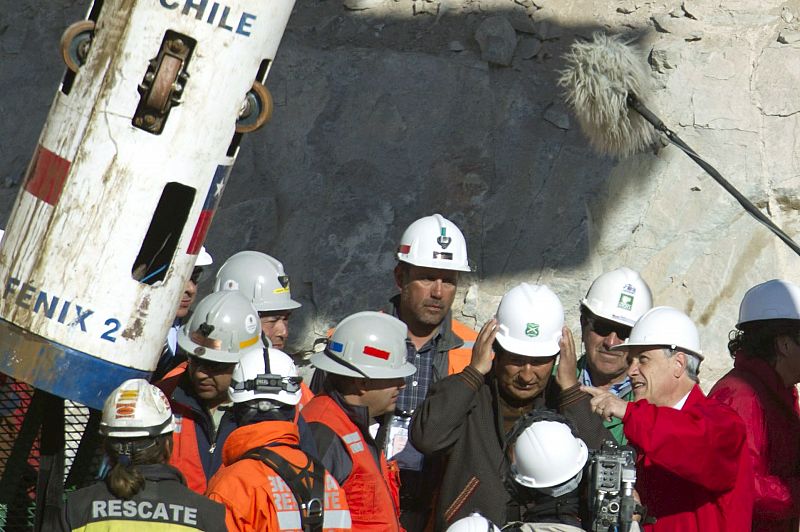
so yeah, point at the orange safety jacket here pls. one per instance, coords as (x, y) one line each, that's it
(186, 453)
(306, 395)
(256, 498)
(373, 491)
(459, 358)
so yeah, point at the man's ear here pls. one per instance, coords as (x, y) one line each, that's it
(679, 360)
(399, 275)
(781, 345)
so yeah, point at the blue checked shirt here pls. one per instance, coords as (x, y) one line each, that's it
(417, 384)
(619, 389)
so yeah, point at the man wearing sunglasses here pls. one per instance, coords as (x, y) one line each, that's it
(612, 305)
(222, 329)
(170, 357)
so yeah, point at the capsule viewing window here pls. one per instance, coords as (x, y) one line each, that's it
(161, 240)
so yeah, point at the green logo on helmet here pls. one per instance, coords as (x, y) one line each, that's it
(625, 302)
(532, 330)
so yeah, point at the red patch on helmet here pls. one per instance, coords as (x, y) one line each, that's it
(405, 248)
(377, 353)
(125, 411)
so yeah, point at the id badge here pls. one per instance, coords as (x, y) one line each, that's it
(398, 447)
(397, 437)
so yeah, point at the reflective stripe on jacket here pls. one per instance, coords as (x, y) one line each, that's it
(255, 496)
(372, 490)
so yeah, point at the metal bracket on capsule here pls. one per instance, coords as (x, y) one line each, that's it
(163, 83)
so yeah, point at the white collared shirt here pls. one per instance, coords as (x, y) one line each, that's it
(679, 404)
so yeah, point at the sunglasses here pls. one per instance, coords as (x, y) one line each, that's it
(606, 327)
(197, 274)
(210, 365)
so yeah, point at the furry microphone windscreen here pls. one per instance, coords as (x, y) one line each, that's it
(599, 77)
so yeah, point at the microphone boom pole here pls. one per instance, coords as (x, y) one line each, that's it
(606, 86)
(748, 206)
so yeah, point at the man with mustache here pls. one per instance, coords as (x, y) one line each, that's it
(223, 327)
(612, 305)
(431, 255)
(365, 367)
(468, 416)
(693, 467)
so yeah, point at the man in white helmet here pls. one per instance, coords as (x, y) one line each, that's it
(761, 387)
(548, 460)
(431, 255)
(468, 416)
(171, 357)
(261, 279)
(693, 468)
(268, 482)
(365, 366)
(141, 490)
(612, 305)
(222, 329)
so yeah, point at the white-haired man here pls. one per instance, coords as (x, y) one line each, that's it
(693, 470)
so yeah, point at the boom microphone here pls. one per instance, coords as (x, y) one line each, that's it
(601, 74)
(606, 86)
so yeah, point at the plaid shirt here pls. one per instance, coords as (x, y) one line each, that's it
(417, 385)
(619, 389)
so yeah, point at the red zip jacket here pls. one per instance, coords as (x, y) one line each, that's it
(771, 414)
(693, 471)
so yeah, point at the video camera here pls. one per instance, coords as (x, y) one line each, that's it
(612, 478)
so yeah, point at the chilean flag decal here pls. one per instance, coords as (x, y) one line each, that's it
(375, 352)
(209, 207)
(46, 175)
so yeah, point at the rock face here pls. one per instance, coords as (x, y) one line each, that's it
(380, 119)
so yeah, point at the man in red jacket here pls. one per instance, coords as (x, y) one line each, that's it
(761, 388)
(693, 468)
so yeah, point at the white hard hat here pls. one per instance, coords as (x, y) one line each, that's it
(252, 379)
(136, 409)
(773, 300)
(434, 242)
(547, 454)
(259, 277)
(664, 327)
(367, 344)
(473, 523)
(203, 258)
(222, 328)
(620, 295)
(529, 321)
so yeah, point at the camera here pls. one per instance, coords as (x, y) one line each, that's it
(612, 472)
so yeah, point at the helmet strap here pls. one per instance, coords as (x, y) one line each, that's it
(343, 362)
